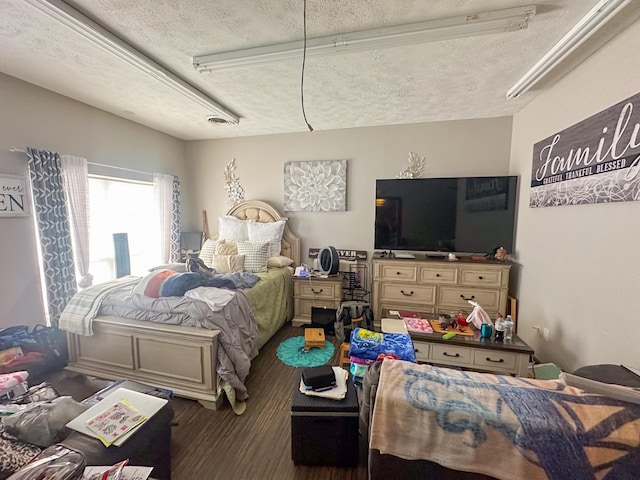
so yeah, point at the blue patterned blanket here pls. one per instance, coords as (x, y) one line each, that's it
(506, 427)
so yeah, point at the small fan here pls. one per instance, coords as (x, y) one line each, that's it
(328, 261)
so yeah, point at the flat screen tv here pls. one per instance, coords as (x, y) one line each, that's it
(466, 215)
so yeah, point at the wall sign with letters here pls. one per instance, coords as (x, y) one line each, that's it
(594, 161)
(14, 201)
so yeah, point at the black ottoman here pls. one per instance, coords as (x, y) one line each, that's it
(324, 431)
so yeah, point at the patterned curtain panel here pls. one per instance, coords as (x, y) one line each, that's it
(53, 228)
(167, 193)
(175, 222)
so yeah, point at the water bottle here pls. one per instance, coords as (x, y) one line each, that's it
(508, 328)
(499, 328)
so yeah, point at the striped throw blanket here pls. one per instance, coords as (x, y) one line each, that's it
(77, 317)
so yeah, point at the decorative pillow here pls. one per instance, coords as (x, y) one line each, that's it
(176, 267)
(226, 248)
(228, 263)
(207, 251)
(256, 255)
(232, 228)
(151, 284)
(279, 261)
(268, 232)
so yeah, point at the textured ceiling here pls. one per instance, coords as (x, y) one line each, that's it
(447, 80)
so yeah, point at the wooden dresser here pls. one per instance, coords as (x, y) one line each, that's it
(314, 292)
(438, 286)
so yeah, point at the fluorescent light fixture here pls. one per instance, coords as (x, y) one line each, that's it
(497, 21)
(88, 29)
(587, 26)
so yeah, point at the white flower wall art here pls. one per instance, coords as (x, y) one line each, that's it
(315, 186)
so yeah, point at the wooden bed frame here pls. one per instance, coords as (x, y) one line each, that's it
(182, 359)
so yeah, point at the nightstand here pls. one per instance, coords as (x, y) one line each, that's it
(315, 292)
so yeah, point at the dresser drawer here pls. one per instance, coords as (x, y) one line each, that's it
(423, 351)
(414, 293)
(494, 359)
(303, 306)
(439, 275)
(317, 290)
(481, 278)
(450, 353)
(457, 296)
(401, 272)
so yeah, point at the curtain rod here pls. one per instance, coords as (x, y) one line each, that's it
(18, 150)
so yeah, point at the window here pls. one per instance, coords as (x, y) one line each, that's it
(122, 206)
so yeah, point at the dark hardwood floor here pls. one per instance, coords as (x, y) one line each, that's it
(256, 445)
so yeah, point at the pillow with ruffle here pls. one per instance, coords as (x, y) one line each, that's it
(268, 232)
(234, 229)
(225, 247)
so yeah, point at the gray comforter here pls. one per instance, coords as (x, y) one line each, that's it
(238, 338)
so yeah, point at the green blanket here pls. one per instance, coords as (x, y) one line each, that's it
(271, 301)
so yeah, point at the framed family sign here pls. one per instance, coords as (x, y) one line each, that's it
(13, 196)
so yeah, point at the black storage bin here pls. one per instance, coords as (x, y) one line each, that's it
(324, 431)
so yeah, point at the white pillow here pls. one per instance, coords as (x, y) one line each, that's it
(279, 261)
(232, 228)
(255, 254)
(268, 232)
(228, 263)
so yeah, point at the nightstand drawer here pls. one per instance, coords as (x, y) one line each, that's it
(411, 293)
(423, 351)
(317, 290)
(480, 278)
(450, 353)
(458, 296)
(494, 359)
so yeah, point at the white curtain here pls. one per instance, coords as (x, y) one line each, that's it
(163, 193)
(75, 176)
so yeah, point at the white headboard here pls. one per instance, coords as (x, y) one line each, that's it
(263, 212)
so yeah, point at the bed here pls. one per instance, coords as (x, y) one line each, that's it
(439, 423)
(182, 343)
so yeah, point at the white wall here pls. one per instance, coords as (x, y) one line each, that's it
(580, 264)
(472, 147)
(34, 117)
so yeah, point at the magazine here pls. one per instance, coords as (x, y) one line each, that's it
(418, 325)
(115, 421)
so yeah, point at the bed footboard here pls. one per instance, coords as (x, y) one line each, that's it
(182, 359)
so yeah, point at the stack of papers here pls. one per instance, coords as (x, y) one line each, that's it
(336, 393)
(393, 325)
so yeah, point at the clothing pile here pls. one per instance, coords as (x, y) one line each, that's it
(366, 347)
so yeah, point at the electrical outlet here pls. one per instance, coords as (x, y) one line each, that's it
(545, 334)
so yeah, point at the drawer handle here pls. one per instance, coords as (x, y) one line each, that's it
(398, 273)
(406, 294)
(465, 298)
(456, 355)
(480, 277)
(495, 361)
(317, 291)
(437, 274)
